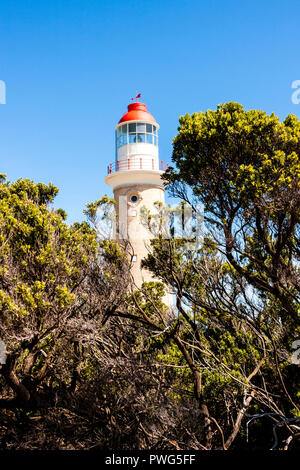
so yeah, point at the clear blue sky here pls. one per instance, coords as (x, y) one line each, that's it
(71, 67)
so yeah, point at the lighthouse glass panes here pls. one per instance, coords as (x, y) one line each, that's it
(136, 132)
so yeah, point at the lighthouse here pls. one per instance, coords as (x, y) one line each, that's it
(135, 177)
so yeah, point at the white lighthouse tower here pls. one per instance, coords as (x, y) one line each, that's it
(135, 177)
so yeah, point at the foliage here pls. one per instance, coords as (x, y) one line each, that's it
(244, 167)
(56, 286)
(94, 363)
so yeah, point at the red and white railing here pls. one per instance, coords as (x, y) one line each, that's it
(137, 163)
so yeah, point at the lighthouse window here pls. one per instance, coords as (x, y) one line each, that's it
(132, 128)
(136, 132)
(140, 127)
(149, 128)
(141, 138)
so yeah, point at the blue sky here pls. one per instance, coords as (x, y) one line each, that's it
(71, 67)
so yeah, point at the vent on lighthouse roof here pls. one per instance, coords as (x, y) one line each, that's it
(137, 112)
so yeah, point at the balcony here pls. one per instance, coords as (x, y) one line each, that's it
(137, 163)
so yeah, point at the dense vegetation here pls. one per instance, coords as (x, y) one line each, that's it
(92, 363)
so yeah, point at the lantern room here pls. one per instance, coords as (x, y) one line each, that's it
(136, 149)
(137, 140)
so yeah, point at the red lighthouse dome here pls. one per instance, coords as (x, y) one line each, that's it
(137, 112)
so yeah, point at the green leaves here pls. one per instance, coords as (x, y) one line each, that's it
(64, 296)
(212, 149)
(42, 258)
(272, 176)
(244, 167)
